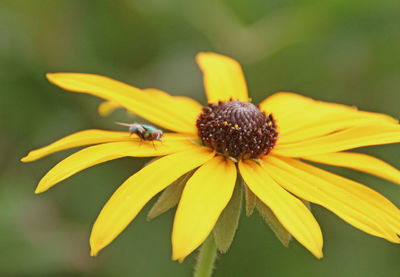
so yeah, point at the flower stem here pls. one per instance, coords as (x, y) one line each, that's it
(206, 258)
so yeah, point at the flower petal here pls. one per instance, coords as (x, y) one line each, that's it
(205, 195)
(163, 111)
(340, 141)
(90, 137)
(328, 124)
(107, 107)
(81, 138)
(390, 212)
(289, 210)
(190, 107)
(136, 191)
(346, 204)
(361, 162)
(101, 153)
(295, 112)
(223, 78)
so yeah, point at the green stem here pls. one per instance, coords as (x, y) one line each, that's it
(206, 258)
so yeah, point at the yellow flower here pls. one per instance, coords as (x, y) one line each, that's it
(268, 144)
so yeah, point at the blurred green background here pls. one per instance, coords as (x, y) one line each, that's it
(335, 50)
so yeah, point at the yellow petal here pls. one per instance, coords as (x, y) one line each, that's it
(348, 206)
(361, 162)
(205, 195)
(90, 137)
(192, 107)
(296, 112)
(101, 153)
(285, 104)
(291, 109)
(223, 78)
(290, 211)
(189, 107)
(190, 104)
(81, 138)
(295, 106)
(340, 141)
(386, 208)
(310, 129)
(137, 190)
(166, 113)
(107, 107)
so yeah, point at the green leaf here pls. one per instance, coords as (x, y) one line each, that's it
(225, 228)
(283, 235)
(251, 200)
(169, 198)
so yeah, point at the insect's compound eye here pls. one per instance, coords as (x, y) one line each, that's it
(159, 135)
(155, 136)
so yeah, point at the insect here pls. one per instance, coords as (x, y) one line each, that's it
(145, 132)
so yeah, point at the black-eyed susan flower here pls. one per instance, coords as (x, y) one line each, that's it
(269, 145)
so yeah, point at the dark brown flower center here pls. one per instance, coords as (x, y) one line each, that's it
(237, 129)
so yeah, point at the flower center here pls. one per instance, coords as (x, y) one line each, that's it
(237, 129)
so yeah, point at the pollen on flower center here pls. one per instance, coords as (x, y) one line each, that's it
(237, 129)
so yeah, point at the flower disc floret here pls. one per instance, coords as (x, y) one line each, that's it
(237, 129)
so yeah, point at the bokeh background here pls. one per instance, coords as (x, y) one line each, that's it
(334, 50)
